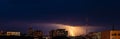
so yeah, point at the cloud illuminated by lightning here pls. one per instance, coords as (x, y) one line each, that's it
(72, 30)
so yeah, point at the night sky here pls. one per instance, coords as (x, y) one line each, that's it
(18, 15)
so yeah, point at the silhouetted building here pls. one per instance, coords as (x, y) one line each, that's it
(61, 32)
(52, 33)
(94, 35)
(1, 33)
(30, 31)
(58, 32)
(79, 37)
(38, 33)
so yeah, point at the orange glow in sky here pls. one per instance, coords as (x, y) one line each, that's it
(75, 31)
(72, 30)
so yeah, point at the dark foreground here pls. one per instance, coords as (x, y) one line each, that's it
(30, 37)
(16, 37)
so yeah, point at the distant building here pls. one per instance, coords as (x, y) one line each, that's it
(94, 35)
(79, 37)
(37, 33)
(52, 33)
(13, 34)
(1, 33)
(46, 37)
(112, 34)
(58, 32)
(61, 32)
(30, 31)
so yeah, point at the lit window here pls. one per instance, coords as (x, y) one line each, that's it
(119, 34)
(114, 34)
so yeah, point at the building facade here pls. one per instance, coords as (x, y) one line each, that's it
(110, 34)
(1, 33)
(58, 32)
(30, 31)
(13, 34)
(37, 33)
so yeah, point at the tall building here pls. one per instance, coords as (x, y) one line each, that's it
(37, 33)
(52, 33)
(61, 32)
(58, 32)
(30, 31)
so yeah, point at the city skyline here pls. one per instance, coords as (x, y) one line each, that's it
(18, 15)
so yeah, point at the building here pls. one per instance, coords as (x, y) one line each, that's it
(13, 34)
(94, 35)
(79, 37)
(37, 33)
(112, 34)
(46, 37)
(97, 35)
(1, 33)
(30, 31)
(58, 32)
(61, 32)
